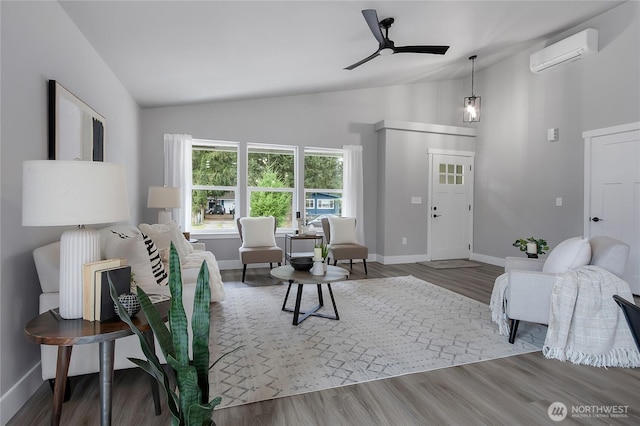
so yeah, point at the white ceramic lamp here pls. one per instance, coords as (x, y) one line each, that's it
(63, 193)
(164, 198)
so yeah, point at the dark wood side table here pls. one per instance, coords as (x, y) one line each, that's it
(51, 329)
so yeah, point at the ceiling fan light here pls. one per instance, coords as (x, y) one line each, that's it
(386, 51)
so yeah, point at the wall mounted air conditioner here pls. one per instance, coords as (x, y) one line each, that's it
(577, 46)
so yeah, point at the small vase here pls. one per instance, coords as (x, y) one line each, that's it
(317, 268)
(130, 303)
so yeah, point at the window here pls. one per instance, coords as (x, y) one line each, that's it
(450, 174)
(271, 182)
(214, 168)
(322, 183)
(273, 176)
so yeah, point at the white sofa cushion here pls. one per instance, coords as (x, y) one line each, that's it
(140, 253)
(567, 255)
(258, 231)
(342, 230)
(163, 234)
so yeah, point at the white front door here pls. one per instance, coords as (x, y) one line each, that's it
(612, 190)
(450, 215)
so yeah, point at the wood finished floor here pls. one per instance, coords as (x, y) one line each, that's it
(508, 391)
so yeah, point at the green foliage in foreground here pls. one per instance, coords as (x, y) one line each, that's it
(190, 406)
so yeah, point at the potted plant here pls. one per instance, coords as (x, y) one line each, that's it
(189, 406)
(532, 246)
(321, 250)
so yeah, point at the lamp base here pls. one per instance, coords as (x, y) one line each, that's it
(164, 216)
(77, 247)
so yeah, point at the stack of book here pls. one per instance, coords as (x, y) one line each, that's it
(97, 304)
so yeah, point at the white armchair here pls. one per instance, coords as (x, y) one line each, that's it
(528, 294)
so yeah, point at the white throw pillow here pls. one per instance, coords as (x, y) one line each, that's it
(144, 259)
(342, 230)
(258, 231)
(163, 234)
(567, 255)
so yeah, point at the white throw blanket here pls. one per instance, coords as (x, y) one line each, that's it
(498, 304)
(586, 326)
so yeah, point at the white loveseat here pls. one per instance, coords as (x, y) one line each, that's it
(125, 242)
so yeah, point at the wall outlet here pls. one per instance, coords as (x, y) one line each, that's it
(404, 240)
(558, 201)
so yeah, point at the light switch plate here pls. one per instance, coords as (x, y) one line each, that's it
(416, 200)
(552, 135)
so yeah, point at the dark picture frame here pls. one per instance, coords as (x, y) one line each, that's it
(76, 131)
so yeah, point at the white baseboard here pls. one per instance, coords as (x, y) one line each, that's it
(19, 394)
(491, 260)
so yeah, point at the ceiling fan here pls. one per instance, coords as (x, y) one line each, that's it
(387, 47)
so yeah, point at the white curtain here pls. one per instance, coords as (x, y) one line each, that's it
(352, 198)
(177, 172)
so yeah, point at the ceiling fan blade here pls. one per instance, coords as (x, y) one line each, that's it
(357, 64)
(371, 16)
(436, 50)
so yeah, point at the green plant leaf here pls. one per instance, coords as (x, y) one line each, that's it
(161, 332)
(187, 378)
(144, 345)
(200, 324)
(177, 316)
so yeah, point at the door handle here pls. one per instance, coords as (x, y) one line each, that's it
(437, 215)
(597, 219)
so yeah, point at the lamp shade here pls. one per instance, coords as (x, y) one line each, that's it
(163, 197)
(62, 193)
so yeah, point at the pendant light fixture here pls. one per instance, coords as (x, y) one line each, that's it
(471, 112)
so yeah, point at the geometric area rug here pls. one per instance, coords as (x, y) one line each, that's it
(388, 327)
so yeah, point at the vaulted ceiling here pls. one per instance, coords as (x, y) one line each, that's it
(182, 52)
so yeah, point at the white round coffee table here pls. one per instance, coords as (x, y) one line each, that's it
(287, 273)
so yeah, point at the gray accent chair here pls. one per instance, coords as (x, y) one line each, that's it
(344, 251)
(267, 254)
(529, 290)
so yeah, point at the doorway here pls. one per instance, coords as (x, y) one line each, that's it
(612, 190)
(450, 221)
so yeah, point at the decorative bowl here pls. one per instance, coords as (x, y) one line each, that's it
(301, 263)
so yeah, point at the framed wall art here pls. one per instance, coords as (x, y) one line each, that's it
(76, 131)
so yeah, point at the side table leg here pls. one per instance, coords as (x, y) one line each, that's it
(335, 309)
(287, 296)
(296, 311)
(107, 349)
(320, 299)
(62, 368)
(155, 391)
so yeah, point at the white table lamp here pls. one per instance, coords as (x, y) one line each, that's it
(164, 198)
(63, 193)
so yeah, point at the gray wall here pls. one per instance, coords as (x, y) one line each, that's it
(39, 42)
(518, 173)
(320, 120)
(404, 173)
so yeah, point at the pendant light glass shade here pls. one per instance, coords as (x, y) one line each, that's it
(471, 112)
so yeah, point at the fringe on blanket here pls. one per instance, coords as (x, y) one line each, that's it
(618, 357)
